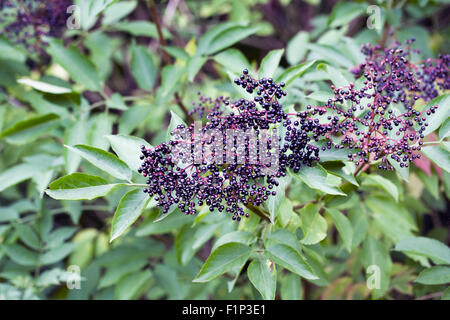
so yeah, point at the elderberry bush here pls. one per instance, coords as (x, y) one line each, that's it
(170, 150)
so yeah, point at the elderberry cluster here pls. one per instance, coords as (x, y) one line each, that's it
(236, 158)
(378, 121)
(26, 21)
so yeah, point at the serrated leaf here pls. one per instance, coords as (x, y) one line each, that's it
(441, 114)
(128, 149)
(79, 186)
(103, 160)
(263, 275)
(439, 156)
(316, 178)
(290, 259)
(223, 259)
(129, 209)
(270, 63)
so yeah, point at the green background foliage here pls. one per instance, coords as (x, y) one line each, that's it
(72, 122)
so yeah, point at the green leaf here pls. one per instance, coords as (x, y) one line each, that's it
(263, 275)
(223, 259)
(294, 72)
(296, 47)
(392, 218)
(57, 254)
(342, 170)
(446, 294)
(170, 76)
(79, 186)
(273, 203)
(336, 77)
(80, 69)
(44, 86)
(129, 209)
(222, 36)
(133, 285)
(375, 257)
(128, 149)
(233, 60)
(117, 271)
(291, 287)
(16, 174)
(175, 121)
(344, 12)
(21, 255)
(141, 28)
(343, 225)
(435, 275)
(243, 237)
(285, 237)
(438, 155)
(425, 247)
(194, 65)
(314, 226)
(444, 131)
(28, 235)
(103, 160)
(316, 178)
(290, 259)
(102, 125)
(26, 131)
(441, 114)
(270, 63)
(75, 134)
(117, 11)
(142, 67)
(329, 54)
(379, 181)
(116, 101)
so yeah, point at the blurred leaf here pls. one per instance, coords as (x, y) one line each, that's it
(270, 63)
(222, 36)
(141, 28)
(133, 285)
(26, 131)
(296, 47)
(117, 11)
(438, 155)
(344, 12)
(142, 67)
(314, 226)
(441, 114)
(77, 65)
(379, 181)
(343, 226)
(435, 275)
(233, 60)
(74, 134)
(102, 125)
(44, 86)
(426, 247)
(21, 255)
(375, 258)
(294, 72)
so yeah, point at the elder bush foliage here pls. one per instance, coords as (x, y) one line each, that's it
(97, 180)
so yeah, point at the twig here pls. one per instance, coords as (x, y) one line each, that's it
(166, 56)
(430, 296)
